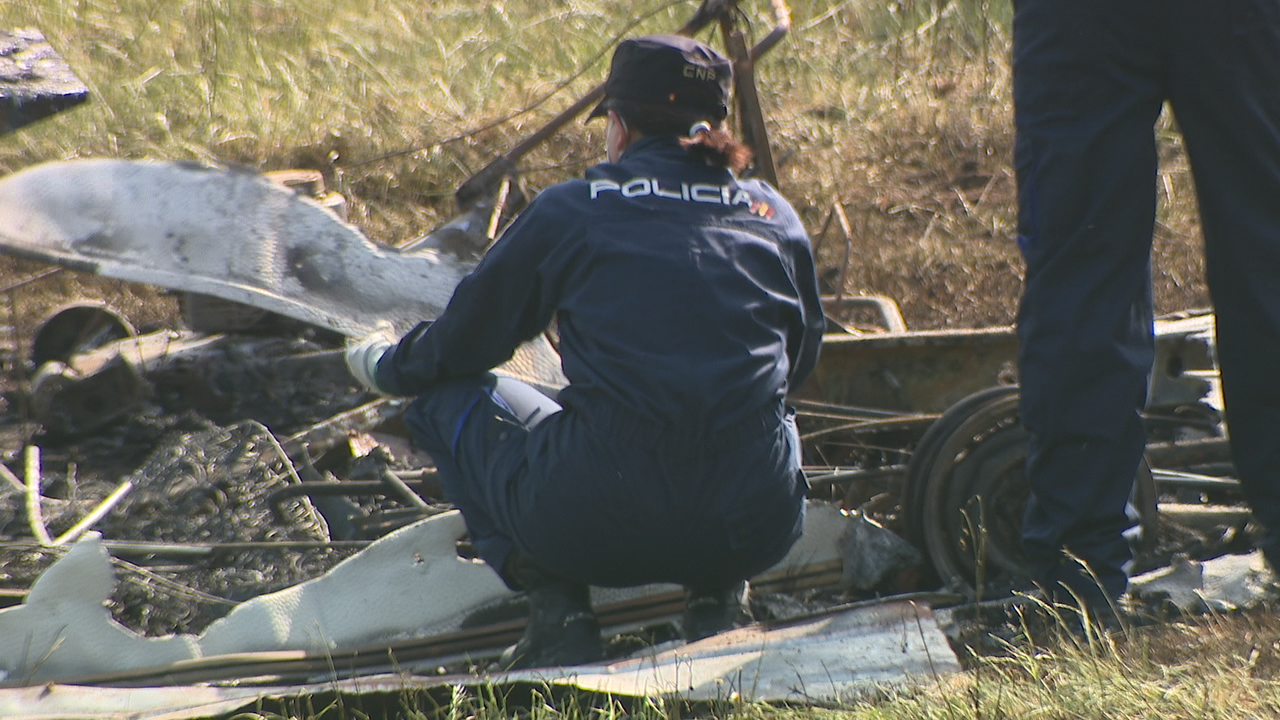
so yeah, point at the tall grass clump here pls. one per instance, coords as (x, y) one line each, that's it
(890, 121)
(1212, 669)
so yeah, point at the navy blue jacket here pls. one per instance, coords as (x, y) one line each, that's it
(682, 295)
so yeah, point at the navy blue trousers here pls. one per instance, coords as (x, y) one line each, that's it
(1090, 79)
(608, 499)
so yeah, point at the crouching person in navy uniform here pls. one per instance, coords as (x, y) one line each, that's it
(687, 305)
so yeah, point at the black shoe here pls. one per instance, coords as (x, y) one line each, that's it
(562, 629)
(708, 612)
(1044, 615)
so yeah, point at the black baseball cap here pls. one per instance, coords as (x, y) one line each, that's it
(669, 71)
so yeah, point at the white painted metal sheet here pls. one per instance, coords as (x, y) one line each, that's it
(232, 234)
(829, 658)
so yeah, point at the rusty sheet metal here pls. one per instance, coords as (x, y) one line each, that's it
(827, 658)
(930, 371)
(927, 371)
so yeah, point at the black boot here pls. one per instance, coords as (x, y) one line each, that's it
(711, 611)
(562, 630)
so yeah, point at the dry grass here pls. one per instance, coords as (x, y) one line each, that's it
(1210, 668)
(897, 112)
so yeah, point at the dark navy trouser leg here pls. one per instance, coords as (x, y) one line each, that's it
(1226, 96)
(1087, 93)
(605, 497)
(1090, 76)
(475, 431)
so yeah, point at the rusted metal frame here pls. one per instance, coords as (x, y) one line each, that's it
(854, 484)
(393, 481)
(321, 488)
(890, 314)
(327, 488)
(750, 114)
(837, 210)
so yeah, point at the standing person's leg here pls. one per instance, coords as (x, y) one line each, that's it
(1086, 96)
(1226, 96)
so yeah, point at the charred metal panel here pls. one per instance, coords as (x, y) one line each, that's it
(35, 82)
(929, 371)
(232, 234)
(924, 371)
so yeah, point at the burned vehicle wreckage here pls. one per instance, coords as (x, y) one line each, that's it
(230, 473)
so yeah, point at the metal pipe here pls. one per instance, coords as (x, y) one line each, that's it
(403, 489)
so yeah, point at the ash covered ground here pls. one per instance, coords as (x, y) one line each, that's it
(207, 474)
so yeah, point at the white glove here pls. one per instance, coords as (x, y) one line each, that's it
(363, 354)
